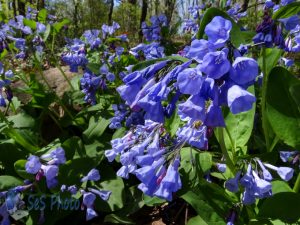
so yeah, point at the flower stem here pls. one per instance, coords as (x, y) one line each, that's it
(263, 101)
(229, 161)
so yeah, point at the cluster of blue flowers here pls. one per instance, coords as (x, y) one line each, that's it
(144, 152)
(153, 32)
(76, 56)
(49, 169)
(257, 181)
(234, 11)
(213, 83)
(4, 85)
(191, 25)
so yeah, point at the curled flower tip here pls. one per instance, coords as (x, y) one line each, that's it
(93, 175)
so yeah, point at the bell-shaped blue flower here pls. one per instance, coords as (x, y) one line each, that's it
(33, 164)
(93, 175)
(218, 31)
(244, 70)
(239, 100)
(189, 81)
(215, 64)
(291, 22)
(193, 108)
(214, 116)
(232, 184)
(198, 49)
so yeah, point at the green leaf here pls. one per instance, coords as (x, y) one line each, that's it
(20, 139)
(7, 182)
(284, 206)
(272, 57)
(239, 126)
(153, 201)
(94, 67)
(73, 145)
(172, 124)
(59, 25)
(287, 11)
(236, 35)
(282, 109)
(22, 120)
(280, 186)
(42, 15)
(20, 169)
(205, 161)
(111, 182)
(113, 218)
(204, 210)
(29, 23)
(97, 126)
(196, 221)
(47, 32)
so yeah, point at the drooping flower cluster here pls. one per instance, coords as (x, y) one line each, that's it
(257, 181)
(148, 152)
(48, 168)
(89, 195)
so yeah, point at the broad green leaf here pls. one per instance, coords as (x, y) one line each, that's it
(282, 109)
(153, 201)
(272, 57)
(22, 120)
(7, 182)
(284, 206)
(119, 133)
(287, 11)
(97, 126)
(205, 161)
(236, 35)
(196, 221)
(73, 146)
(204, 210)
(239, 126)
(110, 182)
(280, 186)
(29, 23)
(42, 15)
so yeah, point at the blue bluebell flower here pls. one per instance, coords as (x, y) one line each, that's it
(93, 175)
(218, 31)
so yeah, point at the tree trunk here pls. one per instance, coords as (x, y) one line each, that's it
(21, 7)
(170, 5)
(40, 4)
(111, 9)
(143, 18)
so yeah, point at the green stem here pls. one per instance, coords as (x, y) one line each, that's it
(65, 76)
(233, 144)
(297, 184)
(276, 139)
(263, 101)
(229, 161)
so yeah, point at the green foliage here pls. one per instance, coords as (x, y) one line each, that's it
(282, 109)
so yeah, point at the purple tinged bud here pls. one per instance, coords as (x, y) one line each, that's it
(110, 155)
(123, 172)
(73, 189)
